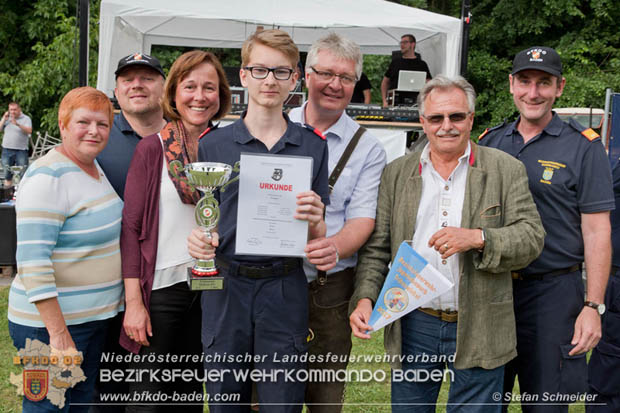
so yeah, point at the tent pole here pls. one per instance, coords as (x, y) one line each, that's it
(466, 20)
(83, 63)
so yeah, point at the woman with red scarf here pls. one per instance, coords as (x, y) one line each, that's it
(162, 315)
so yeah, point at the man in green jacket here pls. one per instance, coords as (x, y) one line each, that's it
(470, 214)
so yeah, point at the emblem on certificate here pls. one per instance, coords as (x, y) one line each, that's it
(206, 177)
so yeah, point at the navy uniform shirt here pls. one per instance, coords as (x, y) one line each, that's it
(615, 215)
(569, 175)
(226, 145)
(116, 156)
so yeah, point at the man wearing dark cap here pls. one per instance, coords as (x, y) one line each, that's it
(139, 88)
(570, 179)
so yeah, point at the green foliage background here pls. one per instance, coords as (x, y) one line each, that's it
(38, 57)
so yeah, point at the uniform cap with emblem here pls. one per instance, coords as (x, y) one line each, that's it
(538, 58)
(139, 59)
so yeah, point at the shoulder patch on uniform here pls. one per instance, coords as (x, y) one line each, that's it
(590, 134)
(314, 130)
(209, 129)
(587, 133)
(483, 133)
(487, 130)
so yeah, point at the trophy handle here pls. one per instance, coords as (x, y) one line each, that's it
(175, 167)
(236, 168)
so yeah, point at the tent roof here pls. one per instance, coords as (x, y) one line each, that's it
(376, 25)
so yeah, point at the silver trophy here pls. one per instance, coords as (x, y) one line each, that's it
(206, 177)
(16, 170)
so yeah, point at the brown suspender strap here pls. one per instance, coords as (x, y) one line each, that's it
(345, 158)
(333, 177)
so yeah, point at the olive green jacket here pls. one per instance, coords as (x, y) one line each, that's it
(497, 199)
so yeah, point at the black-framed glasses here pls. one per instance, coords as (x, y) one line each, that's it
(260, 72)
(456, 117)
(346, 80)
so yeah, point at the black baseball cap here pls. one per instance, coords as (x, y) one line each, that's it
(538, 58)
(139, 59)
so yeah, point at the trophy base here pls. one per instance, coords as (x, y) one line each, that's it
(203, 283)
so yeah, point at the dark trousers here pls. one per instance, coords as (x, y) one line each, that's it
(545, 311)
(176, 320)
(329, 323)
(604, 367)
(264, 318)
(111, 346)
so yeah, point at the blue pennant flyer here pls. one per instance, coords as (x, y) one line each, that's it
(411, 283)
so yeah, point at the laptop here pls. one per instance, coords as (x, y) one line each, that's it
(411, 81)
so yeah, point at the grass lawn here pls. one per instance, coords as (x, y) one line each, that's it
(374, 397)
(9, 401)
(370, 397)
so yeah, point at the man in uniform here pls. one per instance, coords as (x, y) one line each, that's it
(409, 61)
(139, 88)
(469, 213)
(604, 366)
(332, 67)
(17, 128)
(570, 179)
(263, 309)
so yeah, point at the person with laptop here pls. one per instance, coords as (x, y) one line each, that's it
(409, 61)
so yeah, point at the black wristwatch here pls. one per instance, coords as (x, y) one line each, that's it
(600, 308)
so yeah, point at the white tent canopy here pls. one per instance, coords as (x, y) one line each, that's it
(135, 26)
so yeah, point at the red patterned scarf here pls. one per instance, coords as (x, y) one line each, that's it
(179, 147)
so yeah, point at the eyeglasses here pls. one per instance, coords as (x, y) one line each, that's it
(346, 80)
(280, 73)
(454, 118)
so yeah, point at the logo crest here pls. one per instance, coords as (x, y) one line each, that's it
(536, 55)
(137, 56)
(547, 174)
(277, 174)
(35, 384)
(396, 299)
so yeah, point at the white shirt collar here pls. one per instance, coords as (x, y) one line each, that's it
(339, 128)
(425, 158)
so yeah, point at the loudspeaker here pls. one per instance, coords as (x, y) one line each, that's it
(8, 239)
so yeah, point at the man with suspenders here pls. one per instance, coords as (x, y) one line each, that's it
(356, 160)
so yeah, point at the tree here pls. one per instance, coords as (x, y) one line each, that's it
(583, 32)
(40, 63)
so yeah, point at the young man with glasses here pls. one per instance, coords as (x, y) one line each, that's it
(262, 312)
(333, 65)
(470, 214)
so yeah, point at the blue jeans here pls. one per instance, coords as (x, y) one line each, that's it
(88, 338)
(12, 157)
(431, 345)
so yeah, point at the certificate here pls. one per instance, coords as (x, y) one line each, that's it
(268, 185)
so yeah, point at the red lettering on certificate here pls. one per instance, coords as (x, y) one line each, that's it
(276, 187)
